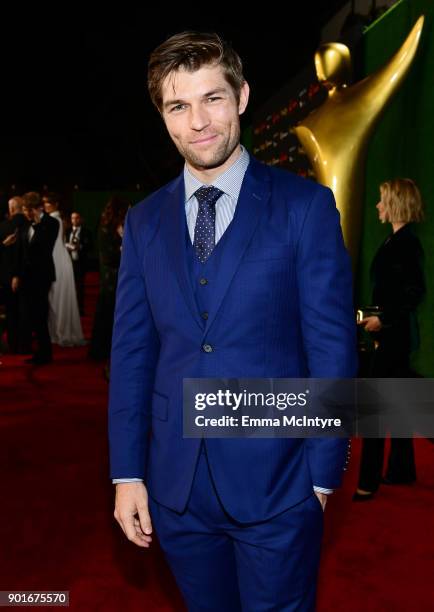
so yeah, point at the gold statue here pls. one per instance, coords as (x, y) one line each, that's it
(335, 136)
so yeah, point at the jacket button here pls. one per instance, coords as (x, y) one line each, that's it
(207, 348)
(203, 281)
(204, 315)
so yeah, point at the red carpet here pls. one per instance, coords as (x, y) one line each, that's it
(57, 530)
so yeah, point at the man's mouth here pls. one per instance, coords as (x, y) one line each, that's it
(204, 139)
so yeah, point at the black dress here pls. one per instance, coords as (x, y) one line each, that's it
(109, 249)
(398, 288)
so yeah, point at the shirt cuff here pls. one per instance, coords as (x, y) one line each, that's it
(322, 490)
(121, 480)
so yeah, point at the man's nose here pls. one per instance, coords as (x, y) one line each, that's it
(199, 118)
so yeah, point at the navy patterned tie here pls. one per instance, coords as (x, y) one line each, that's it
(204, 231)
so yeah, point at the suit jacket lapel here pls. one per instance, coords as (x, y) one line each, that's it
(173, 226)
(252, 202)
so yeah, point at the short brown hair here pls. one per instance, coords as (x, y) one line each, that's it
(190, 51)
(52, 198)
(32, 199)
(402, 201)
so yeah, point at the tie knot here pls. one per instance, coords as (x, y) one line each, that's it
(207, 194)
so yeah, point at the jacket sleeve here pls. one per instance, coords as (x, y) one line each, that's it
(135, 349)
(324, 280)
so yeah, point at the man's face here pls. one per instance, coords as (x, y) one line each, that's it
(28, 213)
(202, 115)
(49, 207)
(75, 219)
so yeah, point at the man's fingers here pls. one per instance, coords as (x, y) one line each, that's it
(138, 525)
(145, 520)
(139, 530)
(11, 239)
(131, 512)
(322, 498)
(132, 532)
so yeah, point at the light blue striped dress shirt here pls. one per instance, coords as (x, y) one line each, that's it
(230, 183)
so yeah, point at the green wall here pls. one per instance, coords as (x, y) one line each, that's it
(403, 145)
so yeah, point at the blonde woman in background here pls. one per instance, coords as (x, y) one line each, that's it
(398, 288)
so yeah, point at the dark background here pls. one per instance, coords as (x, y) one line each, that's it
(75, 104)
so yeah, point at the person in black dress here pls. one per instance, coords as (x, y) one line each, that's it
(398, 288)
(109, 243)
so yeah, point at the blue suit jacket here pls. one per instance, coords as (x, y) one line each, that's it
(281, 307)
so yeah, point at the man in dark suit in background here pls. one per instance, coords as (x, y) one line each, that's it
(18, 338)
(79, 243)
(36, 271)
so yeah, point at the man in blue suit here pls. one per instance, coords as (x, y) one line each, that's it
(234, 269)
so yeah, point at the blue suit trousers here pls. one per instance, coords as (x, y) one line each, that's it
(223, 565)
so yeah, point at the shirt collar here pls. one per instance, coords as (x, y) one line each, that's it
(229, 181)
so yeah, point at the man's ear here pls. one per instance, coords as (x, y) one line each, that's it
(244, 97)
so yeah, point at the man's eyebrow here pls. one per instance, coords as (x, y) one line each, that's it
(208, 94)
(215, 91)
(173, 102)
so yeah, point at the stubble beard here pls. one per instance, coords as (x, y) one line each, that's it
(218, 157)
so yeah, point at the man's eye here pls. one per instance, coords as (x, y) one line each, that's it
(214, 98)
(177, 108)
